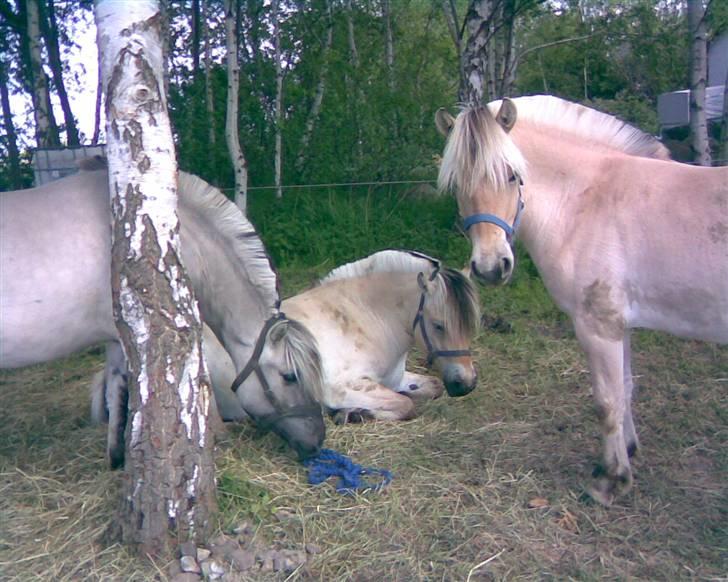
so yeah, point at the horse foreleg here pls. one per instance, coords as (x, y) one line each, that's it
(365, 398)
(606, 363)
(420, 387)
(630, 433)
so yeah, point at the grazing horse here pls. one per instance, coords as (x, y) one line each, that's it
(622, 236)
(55, 296)
(366, 316)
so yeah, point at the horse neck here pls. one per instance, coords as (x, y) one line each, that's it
(557, 173)
(392, 300)
(229, 302)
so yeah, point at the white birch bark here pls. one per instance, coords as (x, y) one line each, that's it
(45, 127)
(168, 493)
(698, 75)
(237, 157)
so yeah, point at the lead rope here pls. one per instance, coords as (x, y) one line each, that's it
(350, 475)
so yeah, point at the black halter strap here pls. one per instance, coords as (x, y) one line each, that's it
(432, 354)
(268, 421)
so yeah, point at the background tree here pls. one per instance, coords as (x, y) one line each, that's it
(168, 494)
(698, 80)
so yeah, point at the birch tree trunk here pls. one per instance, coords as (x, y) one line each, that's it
(10, 133)
(46, 131)
(698, 75)
(278, 161)
(237, 157)
(209, 101)
(724, 125)
(168, 493)
(318, 98)
(49, 27)
(388, 45)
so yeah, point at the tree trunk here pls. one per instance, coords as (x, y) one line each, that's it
(168, 493)
(195, 49)
(724, 125)
(319, 95)
(46, 131)
(237, 157)
(698, 74)
(389, 45)
(97, 110)
(50, 34)
(475, 65)
(278, 161)
(209, 101)
(16, 182)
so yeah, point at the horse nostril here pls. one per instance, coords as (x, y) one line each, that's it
(506, 266)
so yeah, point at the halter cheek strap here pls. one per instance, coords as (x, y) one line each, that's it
(420, 320)
(493, 219)
(268, 421)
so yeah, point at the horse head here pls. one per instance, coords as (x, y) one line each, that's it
(446, 320)
(484, 169)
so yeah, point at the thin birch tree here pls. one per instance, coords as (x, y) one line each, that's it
(698, 75)
(278, 157)
(168, 492)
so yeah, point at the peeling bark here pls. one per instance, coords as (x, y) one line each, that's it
(698, 76)
(278, 161)
(168, 492)
(237, 157)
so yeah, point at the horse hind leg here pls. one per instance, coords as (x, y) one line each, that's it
(606, 363)
(116, 393)
(630, 432)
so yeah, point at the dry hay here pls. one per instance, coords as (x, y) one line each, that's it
(486, 487)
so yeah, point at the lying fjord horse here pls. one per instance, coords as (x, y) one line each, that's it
(55, 296)
(366, 316)
(621, 236)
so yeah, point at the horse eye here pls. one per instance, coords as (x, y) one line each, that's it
(439, 327)
(512, 178)
(289, 377)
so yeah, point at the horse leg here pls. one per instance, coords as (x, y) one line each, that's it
(606, 363)
(99, 412)
(630, 433)
(117, 400)
(366, 398)
(420, 387)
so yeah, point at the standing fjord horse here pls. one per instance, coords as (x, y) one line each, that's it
(55, 296)
(621, 236)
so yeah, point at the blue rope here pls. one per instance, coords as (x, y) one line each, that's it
(329, 463)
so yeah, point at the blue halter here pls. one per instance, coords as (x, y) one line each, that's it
(493, 219)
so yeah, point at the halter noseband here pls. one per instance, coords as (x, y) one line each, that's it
(420, 319)
(493, 219)
(267, 421)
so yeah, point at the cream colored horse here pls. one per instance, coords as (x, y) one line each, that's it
(366, 316)
(622, 237)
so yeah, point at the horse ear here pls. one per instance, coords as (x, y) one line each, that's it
(444, 121)
(507, 115)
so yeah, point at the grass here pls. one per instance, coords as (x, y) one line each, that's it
(486, 487)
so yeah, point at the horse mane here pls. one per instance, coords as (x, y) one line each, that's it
(229, 221)
(387, 261)
(457, 292)
(588, 123)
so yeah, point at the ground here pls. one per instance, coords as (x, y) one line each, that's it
(486, 487)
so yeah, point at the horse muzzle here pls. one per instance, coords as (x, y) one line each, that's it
(498, 274)
(458, 382)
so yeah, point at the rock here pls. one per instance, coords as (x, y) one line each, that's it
(212, 569)
(288, 560)
(203, 554)
(243, 559)
(244, 529)
(185, 577)
(538, 503)
(188, 549)
(284, 515)
(266, 560)
(313, 549)
(223, 547)
(189, 564)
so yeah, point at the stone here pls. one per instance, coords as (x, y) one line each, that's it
(243, 559)
(185, 577)
(187, 549)
(189, 564)
(244, 529)
(212, 569)
(203, 554)
(266, 560)
(313, 549)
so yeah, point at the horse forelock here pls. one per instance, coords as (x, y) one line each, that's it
(463, 304)
(587, 123)
(302, 355)
(228, 221)
(387, 261)
(478, 152)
